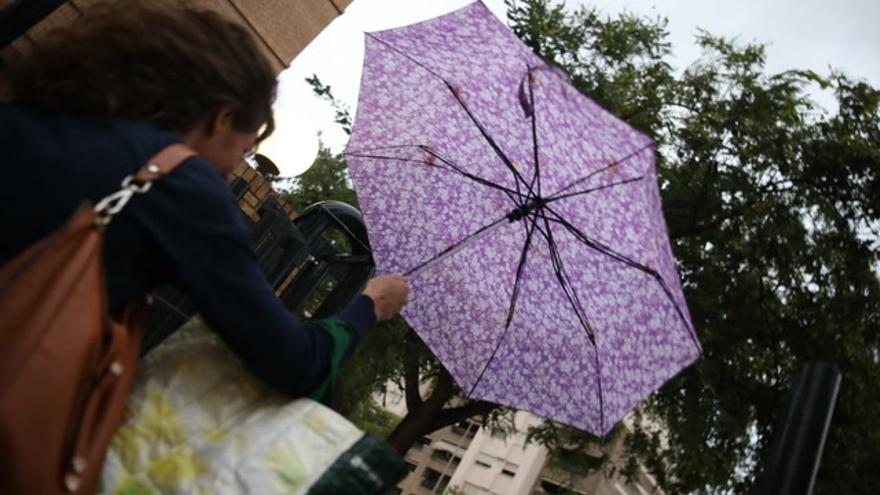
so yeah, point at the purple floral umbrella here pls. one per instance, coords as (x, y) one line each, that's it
(527, 218)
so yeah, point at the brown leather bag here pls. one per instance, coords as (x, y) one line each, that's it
(66, 367)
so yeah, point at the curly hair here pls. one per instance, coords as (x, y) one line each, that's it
(161, 62)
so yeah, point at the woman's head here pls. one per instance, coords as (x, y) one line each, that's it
(180, 68)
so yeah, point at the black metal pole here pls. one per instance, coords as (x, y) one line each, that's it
(800, 438)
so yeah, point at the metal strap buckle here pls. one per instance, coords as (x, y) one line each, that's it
(113, 203)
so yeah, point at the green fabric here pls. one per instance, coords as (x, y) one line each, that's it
(341, 334)
(370, 467)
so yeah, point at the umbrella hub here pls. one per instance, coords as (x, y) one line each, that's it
(534, 203)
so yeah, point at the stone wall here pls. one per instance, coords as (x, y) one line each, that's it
(282, 27)
(259, 190)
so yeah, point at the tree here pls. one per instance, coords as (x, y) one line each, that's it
(772, 205)
(323, 91)
(326, 179)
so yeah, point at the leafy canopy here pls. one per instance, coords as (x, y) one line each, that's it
(772, 206)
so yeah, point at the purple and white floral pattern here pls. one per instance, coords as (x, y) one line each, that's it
(428, 180)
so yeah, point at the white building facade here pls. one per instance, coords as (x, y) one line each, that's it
(468, 459)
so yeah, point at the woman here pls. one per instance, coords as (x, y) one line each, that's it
(93, 103)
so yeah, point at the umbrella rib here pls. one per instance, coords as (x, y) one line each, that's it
(598, 246)
(510, 192)
(611, 253)
(559, 269)
(454, 247)
(530, 230)
(537, 176)
(517, 176)
(564, 282)
(594, 189)
(458, 169)
(605, 168)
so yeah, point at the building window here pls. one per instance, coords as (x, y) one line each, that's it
(465, 428)
(433, 478)
(484, 461)
(552, 488)
(445, 456)
(509, 469)
(422, 442)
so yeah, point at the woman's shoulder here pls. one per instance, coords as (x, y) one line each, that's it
(77, 142)
(100, 151)
(72, 155)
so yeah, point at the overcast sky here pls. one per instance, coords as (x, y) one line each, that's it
(804, 34)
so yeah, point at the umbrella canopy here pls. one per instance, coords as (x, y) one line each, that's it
(527, 217)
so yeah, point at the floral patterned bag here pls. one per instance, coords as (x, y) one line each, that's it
(200, 423)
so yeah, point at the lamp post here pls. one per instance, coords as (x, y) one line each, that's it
(800, 437)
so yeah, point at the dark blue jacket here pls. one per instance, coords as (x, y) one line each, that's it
(187, 229)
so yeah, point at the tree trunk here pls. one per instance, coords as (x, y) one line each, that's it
(418, 419)
(425, 416)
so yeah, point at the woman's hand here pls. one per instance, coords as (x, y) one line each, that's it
(389, 293)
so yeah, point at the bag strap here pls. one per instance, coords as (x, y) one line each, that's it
(162, 163)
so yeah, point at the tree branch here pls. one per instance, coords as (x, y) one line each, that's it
(411, 374)
(696, 228)
(453, 415)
